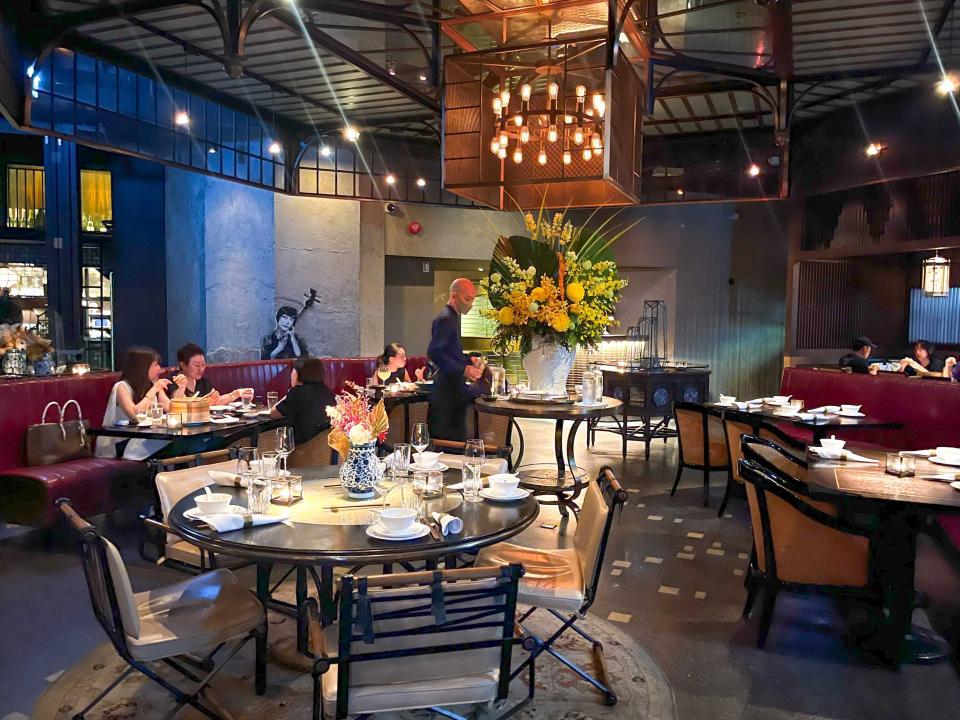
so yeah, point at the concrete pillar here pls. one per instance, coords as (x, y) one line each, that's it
(371, 279)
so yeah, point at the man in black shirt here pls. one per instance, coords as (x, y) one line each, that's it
(857, 360)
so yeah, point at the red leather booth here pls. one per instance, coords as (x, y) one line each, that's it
(27, 494)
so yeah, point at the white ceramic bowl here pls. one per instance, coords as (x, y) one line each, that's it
(426, 459)
(727, 399)
(832, 444)
(397, 520)
(742, 405)
(504, 483)
(850, 408)
(213, 503)
(948, 453)
(780, 399)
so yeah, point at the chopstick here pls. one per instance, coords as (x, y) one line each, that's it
(336, 508)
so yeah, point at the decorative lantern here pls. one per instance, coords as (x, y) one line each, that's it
(287, 490)
(936, 276)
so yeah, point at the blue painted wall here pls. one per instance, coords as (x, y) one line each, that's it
(184, 205)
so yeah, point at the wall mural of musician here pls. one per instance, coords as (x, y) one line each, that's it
(283, 342)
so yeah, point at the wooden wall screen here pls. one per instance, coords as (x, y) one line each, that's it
(831, 307)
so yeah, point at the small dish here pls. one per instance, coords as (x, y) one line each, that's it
(952, 462)
(846, 414)
(518, 494)
(195, 514)
(380, 533)
(955, 486)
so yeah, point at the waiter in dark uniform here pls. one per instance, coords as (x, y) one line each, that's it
(450, 396)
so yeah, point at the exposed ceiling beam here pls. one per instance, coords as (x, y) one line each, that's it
(708, 67)
(59, 22)
(938, 26)
(781, 32)
(370, 11)
(702, 88)
(334, 46)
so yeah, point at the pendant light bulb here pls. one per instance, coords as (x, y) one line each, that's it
(567, 158)
(518, 120)
(504, 140)
(542, 157)
(494, 146)
(552, 134)
(595, 142)
(524, 134)
(578, 136)
(502, 153)
(505, 98)
(587, 153)
(525, 91)
(553, 90)
(497, 105)
(517, 155)
(581, 92)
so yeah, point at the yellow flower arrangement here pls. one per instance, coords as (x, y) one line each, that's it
(559, 283)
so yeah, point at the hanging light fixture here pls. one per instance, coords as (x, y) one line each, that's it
(936, 276)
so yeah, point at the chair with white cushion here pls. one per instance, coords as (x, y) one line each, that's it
(184, 625)
(422, 640)
(564, 581)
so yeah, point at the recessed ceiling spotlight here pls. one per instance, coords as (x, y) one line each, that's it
(680, 192)
(874, 149)
(423, 78)
(390, 179)
(391, 67)
(753, 170)
(212, 151)
(274, 148)
(181, 118)
(325, 151)
(948, 84)
(351, 133)
(421, 182)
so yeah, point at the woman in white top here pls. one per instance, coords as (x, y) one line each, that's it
(140, 386)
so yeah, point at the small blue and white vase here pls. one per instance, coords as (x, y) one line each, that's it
(361, 470)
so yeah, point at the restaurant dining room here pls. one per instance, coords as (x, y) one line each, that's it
(545, 359)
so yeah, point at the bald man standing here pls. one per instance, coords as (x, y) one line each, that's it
(450, 396)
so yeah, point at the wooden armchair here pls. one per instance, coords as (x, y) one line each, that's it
(700, 438)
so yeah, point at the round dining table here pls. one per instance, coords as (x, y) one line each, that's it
(565, 480)
(327, 529)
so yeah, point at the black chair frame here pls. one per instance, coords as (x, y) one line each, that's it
(439, 598)
(106, 609)
(616, 498)
(767, 478)
(681, 463)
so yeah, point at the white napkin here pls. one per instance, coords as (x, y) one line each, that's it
(225, 522)
(448, 523)
(491, 466)
(805, 416)
(226, 479)
(226, 420)
(842, 455)
(825, 409)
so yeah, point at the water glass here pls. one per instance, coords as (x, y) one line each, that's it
(247, 458)
(268, 465)
(400, 462)
(246, 398)
(156, 414)
(471, 483)
(272, 399)
(419, 488)
(259, 493)
(901, 465)
(797, 404)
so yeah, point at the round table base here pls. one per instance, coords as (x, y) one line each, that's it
(924, 647)
(284, 652)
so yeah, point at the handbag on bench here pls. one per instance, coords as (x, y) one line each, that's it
(57, 442)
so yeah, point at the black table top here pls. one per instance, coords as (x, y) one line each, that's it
(827, 421)
(162, 432)
(484, 523)
(567, 411)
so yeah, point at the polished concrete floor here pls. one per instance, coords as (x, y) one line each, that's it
(672, 580)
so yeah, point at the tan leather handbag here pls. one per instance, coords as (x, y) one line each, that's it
(57, 442)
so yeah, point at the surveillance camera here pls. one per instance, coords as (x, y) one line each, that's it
(391, 209)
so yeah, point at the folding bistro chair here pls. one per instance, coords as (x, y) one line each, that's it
(701, 443)
(801, 542)
(564, 582)
(417, 641)
(183, 625)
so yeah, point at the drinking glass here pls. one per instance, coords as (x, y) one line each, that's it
(385, 482)
(421, 480)
(401, 458)
(246, 398)
(272, 399)
(285, 444)
(247, 458)
(420, 439)
(156, 414)
(473, 459)
(383, 372)
(471, 484)
(268, 465)
(259, 492)
(797, 404)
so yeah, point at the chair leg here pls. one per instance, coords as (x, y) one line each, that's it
(753, 589)
(676, 482)
(706, 488)
(766, 614)
(726, 496)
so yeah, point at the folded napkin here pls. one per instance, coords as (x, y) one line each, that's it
(225, 522)
(226, 479)
(805, 416)
(845, 455)
(225, 420)
(919, 453)
(491, 466)
(449, 524)
(825, 409)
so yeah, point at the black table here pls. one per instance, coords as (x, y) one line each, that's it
(565, 480)
(309, 545)
(901, 505)
(819, 426)
(162, 432)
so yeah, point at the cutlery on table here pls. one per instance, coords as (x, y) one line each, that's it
(941, 477)
(337, 508)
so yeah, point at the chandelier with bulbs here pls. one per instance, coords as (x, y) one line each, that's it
(577, 130)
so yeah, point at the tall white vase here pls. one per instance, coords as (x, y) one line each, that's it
(548, 365)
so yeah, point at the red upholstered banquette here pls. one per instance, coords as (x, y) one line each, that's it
(27, 493)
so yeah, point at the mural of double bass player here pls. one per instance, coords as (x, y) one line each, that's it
(283, 342)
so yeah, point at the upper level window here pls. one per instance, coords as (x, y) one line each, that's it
(96, 201)
(26, 204)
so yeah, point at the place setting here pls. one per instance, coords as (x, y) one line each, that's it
(217, 511)
(833, 448)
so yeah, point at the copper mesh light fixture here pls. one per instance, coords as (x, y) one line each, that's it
(936, 276)
(542, 124)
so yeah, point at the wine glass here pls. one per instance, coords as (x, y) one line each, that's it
(247, 460)
(419, 486)
(246, 397)
(285, 444)
(473, 459)
(383, 372)
(420, 439)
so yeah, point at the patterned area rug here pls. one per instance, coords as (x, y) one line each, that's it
(643, 689)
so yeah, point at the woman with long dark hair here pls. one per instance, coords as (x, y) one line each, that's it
(305, 405)
(140, 387)
(922, 362)
(395, 358)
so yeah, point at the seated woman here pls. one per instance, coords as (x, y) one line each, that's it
(305, 405)
(139, 388)
(190, 382)
(922, 362)
(395, 358)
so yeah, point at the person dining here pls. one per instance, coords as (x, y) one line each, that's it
(857, 360)
(450, 396)
(139, 388)
(922, 362)
(190, 382)
(395, 358)
(305, 404)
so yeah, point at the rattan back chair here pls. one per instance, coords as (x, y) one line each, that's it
(316, 451)
(166, 624)
(420, 640)
(801, 541)
(700, 442)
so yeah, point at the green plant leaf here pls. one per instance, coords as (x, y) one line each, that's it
(526, 252)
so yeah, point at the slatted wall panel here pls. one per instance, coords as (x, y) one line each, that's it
(831, 310)
(935, 319)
